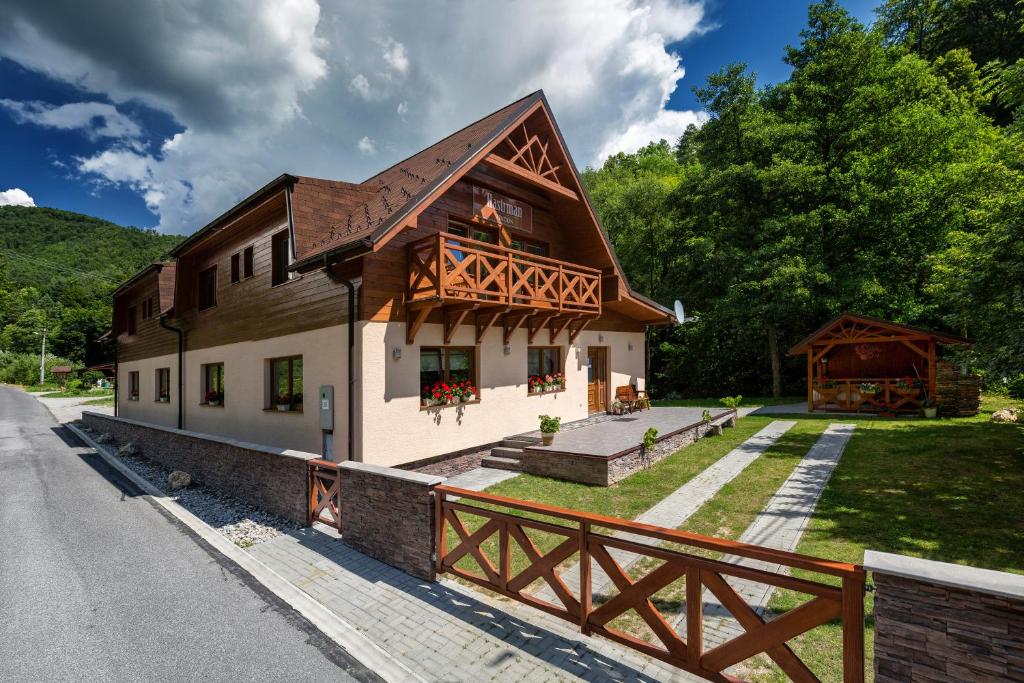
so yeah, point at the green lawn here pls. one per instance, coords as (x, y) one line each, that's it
(77, 393)
(948, 489)
(106, 401)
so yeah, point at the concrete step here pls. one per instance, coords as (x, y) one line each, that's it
(518, 442)
(507, 452)
(500, 463)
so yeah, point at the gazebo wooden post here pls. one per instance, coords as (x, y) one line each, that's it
(810, 379)
(931, 370)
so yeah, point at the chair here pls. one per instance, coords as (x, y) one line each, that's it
(643, 401)
(626, 397)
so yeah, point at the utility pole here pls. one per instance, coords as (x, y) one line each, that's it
(42, 359)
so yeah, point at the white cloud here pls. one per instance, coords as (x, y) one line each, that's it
(16, 197)
(96, 119)
(394, 55)
(291, 87)
(366, 146)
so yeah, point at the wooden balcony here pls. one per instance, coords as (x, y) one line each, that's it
(462, 275)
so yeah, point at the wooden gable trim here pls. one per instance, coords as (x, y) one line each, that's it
(850, 328)
(529, 176)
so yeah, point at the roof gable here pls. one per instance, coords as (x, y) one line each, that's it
(852, 326)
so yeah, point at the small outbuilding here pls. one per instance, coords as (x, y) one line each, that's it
(61, 373)
(855, 363)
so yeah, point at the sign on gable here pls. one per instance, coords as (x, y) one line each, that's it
(501, 210)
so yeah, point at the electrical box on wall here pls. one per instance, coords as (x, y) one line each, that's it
(327, 407)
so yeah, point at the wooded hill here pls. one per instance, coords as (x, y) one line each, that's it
(58, 269)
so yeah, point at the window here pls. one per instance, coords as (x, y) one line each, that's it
(208, 288)
(131, 320)
(133, 386)
(280, 257)
(451, 365)
(529, 246)
(247, 262)
(213, 384)
(163, 385)
(286, 383)
(473, 232)
(235, 271)
(146, 304)
(544, 369)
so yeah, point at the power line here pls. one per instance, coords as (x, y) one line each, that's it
(57, 266)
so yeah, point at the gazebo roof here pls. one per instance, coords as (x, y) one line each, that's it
(851, 327)
(61, 370)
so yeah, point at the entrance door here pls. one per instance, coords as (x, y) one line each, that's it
(597, 379)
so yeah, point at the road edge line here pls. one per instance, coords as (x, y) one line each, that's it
(368, 653)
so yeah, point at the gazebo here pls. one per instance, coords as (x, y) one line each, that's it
(856, 363)
(61, 374)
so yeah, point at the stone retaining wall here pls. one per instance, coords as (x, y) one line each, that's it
(605, 471)
(943, 622)
(274, 479)
(388, 514)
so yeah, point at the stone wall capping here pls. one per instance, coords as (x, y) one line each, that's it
(946, 574)
(227, 441)
(392, 473)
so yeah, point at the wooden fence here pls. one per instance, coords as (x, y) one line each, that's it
(583, 540)
(324, 493)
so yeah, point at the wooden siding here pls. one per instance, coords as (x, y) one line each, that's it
(149, 339)
(251, 308)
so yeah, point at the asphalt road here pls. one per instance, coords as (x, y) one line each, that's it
(97, 583)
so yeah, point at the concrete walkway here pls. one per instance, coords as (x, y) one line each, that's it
(444, 631)
(70, 409)
(780, 525)
(673, 510)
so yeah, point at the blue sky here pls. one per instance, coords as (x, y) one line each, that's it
(332, 111)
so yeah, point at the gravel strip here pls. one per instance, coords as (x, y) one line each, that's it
(243, 524)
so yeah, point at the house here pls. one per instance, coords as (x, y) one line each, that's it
(320, 315)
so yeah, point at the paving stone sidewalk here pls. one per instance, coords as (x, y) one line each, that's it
(443, 631)
(673, 510)
(479, 478)
(780, 525)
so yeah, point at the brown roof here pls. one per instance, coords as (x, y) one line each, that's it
(371, 208)
(942, 337)
(61, 370)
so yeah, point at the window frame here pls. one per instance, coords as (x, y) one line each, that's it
(236, 268)
(286, 274)
(160, 375)
(134, 385)
(560, 355)
(206, 387)
(474, 369)
(469, 227)
(199, 297)
(248, 262)
(272, 364)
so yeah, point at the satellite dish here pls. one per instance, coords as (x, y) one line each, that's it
(681, 314)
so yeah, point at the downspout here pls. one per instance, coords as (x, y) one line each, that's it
(351, 349)
(117, 371)
(181, 367)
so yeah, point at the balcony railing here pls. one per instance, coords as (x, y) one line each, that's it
(450, 269)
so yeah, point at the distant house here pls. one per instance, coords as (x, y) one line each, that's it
(324, 316)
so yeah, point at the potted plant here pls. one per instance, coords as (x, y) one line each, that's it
(164, 397)
(536, 384)
(440, 394)
(907, 387)
(214, 397)
(869, 388)
(549, 426)
(929, 409)
(284, 403)
(467, 392)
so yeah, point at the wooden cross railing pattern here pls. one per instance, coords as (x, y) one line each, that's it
(445, 267)
(846, 394)
(324, 493)
(771, 637)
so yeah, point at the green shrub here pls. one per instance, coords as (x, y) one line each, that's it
(550, 425)
(731, 401)
(1015, 386)
(650, 436)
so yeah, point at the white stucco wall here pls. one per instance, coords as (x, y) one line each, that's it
(244, 415)
(394, 430)
(147, 408)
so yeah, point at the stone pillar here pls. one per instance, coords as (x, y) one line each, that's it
(944, 622)
(388, 514)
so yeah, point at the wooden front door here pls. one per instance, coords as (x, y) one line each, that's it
(597, 379)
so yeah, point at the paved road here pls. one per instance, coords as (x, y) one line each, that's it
(98, 584)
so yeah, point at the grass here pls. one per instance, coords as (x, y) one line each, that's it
(947, 489)
(748, 401)
(76, 393)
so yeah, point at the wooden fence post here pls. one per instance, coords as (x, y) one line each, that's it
(585, 578)
(853, 628)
